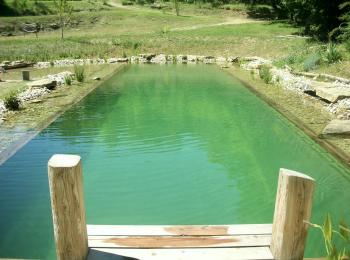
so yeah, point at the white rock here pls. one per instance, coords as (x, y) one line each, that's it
(181, 58)
(159, 59)
(209, 60)
(191, 58)
(32, 93)
(60, 77)
(220, 60)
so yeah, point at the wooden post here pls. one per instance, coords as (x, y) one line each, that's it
(68, 210)
(25, 75)
(292, 208)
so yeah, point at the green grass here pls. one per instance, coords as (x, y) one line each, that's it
(131, 30)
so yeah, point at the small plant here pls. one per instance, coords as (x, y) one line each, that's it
(312, 61)
(11, 101)
(68, 80)
(265, 74)
(335, 251)
(332, 54)
(79, 72)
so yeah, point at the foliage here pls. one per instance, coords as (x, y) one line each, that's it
(11, 101)
(265, 74)
(332, 54)
(127, 2)
(312, 61)
(335, 250)
(79, 72)
(68, 80)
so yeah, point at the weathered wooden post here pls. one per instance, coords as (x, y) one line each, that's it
(25, 75)
(68, 210)
(292, 208)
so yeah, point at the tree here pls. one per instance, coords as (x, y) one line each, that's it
(64, 11)
(177, 7)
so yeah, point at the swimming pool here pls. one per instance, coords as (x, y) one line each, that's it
(172, 144)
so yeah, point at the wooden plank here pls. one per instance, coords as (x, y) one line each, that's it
(179, 241)
(247, 253)
(179, 230)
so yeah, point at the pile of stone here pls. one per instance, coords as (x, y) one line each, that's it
(59, 78)
(32, 93)
(141, 58)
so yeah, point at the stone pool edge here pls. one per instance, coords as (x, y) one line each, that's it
(29, 134)
(333, 149)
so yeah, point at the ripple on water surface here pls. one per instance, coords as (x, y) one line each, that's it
(170, 144)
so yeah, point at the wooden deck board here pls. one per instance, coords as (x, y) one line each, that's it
(179, 230)
(202, 242)
(246, 253)
(179, 241)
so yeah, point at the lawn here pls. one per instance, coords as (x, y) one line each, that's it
(121, 30)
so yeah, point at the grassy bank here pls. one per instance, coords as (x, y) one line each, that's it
(34, 115)
(128, 30)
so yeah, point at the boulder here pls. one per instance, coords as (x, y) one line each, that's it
(191, 58)
(330, 91)
(337, 127)
(170, 58)
(209, 59)
(159, 59)
(112, 60)
(220, 60)
(145, 58)
(181, 58)
(134, 59)
(123, 59)
(43, 83)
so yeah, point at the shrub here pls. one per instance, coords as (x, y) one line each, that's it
(126, 2)
(68, 80)
(312, 61)
(79, 72)
(265, 74)
(140, 2)
(11, 101)
(332, 53)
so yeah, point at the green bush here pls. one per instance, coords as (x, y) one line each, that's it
(312, 61)
(126, 2)
(265, 74)
(79, 72)
(68, 80)
(332, 54)
(11, 101)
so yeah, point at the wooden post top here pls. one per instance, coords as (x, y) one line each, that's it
(64, 160)
(290, 173)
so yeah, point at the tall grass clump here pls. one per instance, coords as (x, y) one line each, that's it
(68, 80)
(265, 74)
(312, 61)
(336, 242)
(12, 101)
(332, 54)
(79, 72)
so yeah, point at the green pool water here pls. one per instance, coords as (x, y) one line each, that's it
(175, 144)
